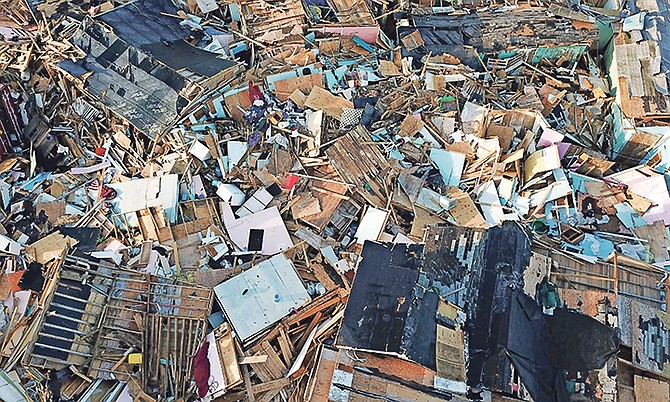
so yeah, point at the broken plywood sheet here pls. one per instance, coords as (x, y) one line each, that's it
(54, 210)
(411, 125)
(593, 166)
(321, 99)
(450, 360)
(50, 247)
(538, 268)
(637, 64)
(285, 88)
(306, 205)
(504, 135)
(261, 17)
(388, 69)
(465, 212)
(445, 125)
(352, 12)
(299, 98)
(649, 390)
(422, 218)
(412, 41)
(637, 147)
(235, 100)
(411, 185)
(302, 58)
(329, 194)
(657, 236)
(472, 118)
(190, 253)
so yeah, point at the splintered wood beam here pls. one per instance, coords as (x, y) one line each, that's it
(285, 346)
(315, 321)
(247, 383)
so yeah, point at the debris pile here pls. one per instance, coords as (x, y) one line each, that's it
(334, 200)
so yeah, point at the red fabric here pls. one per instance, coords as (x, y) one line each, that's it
(201, 370)
(255, 92)
(108, 193)
(290, 181)
(349, 274)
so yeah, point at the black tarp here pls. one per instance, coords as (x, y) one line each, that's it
(33, 277)
(87, 237)
(579, 342)
(456, 35)
(393, 304)
(179, 55)
(527, 343)
(543, 347)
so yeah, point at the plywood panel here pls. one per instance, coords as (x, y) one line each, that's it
(648, 390)
(284, 88)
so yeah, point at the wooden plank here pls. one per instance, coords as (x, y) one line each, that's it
(321, 99)
(282, 334)
(273, 368)
(232, 396)
(270, 385)
(149, 230)
(270, 395)
(315, 321)
(319, 304)
(226, 347)
(286, 352)
(323, 277)
(658, 239)
(252, 359)
(247, 384)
